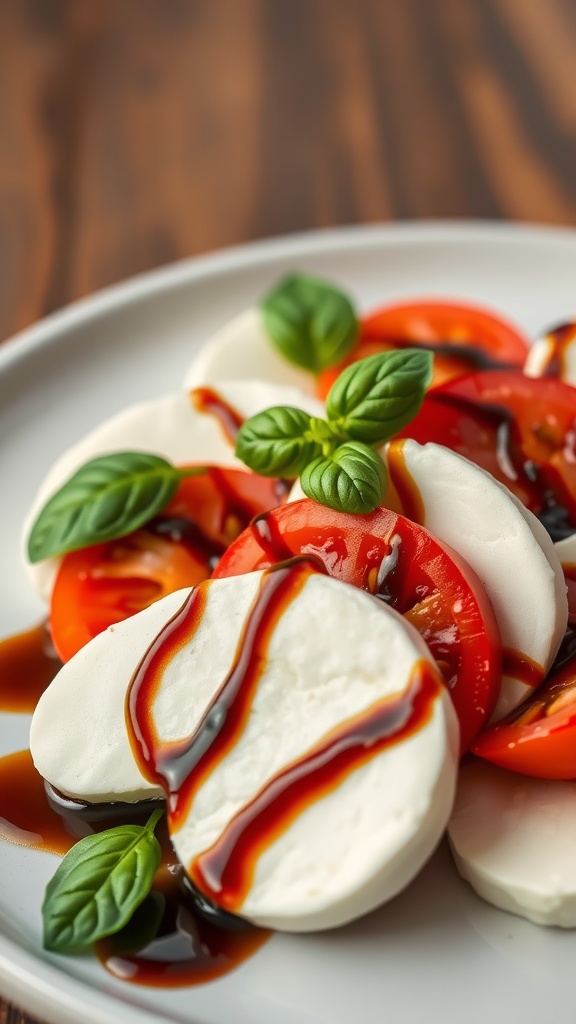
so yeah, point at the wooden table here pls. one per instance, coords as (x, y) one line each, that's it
(138, 132)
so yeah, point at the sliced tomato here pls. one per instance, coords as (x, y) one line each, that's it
(106, 583)
(521, 429)
(403, 565)
(539, 737)
(463, 338)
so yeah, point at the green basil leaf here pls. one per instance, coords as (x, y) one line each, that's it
(106, 498)
(312, 323)
(99, 885)
(273, 442)
(352, 479)
(374, 398)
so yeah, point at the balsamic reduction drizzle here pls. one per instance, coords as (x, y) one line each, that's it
(28, 664)
(178, 937)
(225, 871)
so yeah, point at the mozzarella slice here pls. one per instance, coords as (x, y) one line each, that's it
(514, 840)
(242, 350)
(554, 355)
(334, 657)
(505, 545)
(170, 426)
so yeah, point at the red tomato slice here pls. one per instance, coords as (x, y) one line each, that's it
(463, 337)
(106, 583)
(539, 737)
(521, 429)
(403, 565)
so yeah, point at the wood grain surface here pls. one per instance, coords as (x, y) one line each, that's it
(137, 132)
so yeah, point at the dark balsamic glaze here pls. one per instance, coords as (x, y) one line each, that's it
(28, 663)
(225, 871)
(387, 564)
(471, 357)
(268, 536)
(411, 504)
(555, 518)
(180, 530)
(206, 400)
(177, 937)
(519, 666)
(468, 356)
(26, 816)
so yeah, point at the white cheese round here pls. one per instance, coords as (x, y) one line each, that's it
(169, 426)
(242, 350)
(334, 653)
(505, 545)
(514, 840)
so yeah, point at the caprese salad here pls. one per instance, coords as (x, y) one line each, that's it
(319, 607)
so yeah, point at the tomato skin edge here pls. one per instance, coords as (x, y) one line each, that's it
(549, 753)
(438, 324)
(538, 738)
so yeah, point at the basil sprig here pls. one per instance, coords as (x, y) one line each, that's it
(377, 402)
(99, 885)
(106, 498)
(312, 323)
(370, 401)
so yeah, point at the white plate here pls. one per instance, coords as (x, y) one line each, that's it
(436, 952)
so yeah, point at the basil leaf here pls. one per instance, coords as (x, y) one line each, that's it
(312, 323)
(99, 885)
(273, 442)
(106, 498)
(352, 479)
(374, 398)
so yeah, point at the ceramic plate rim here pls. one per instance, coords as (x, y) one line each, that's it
(25, 979)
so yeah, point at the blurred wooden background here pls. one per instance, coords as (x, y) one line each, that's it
(137, 132)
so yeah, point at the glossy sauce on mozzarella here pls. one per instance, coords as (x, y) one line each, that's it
(407, 569)
(207, 400)
(225, 871)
